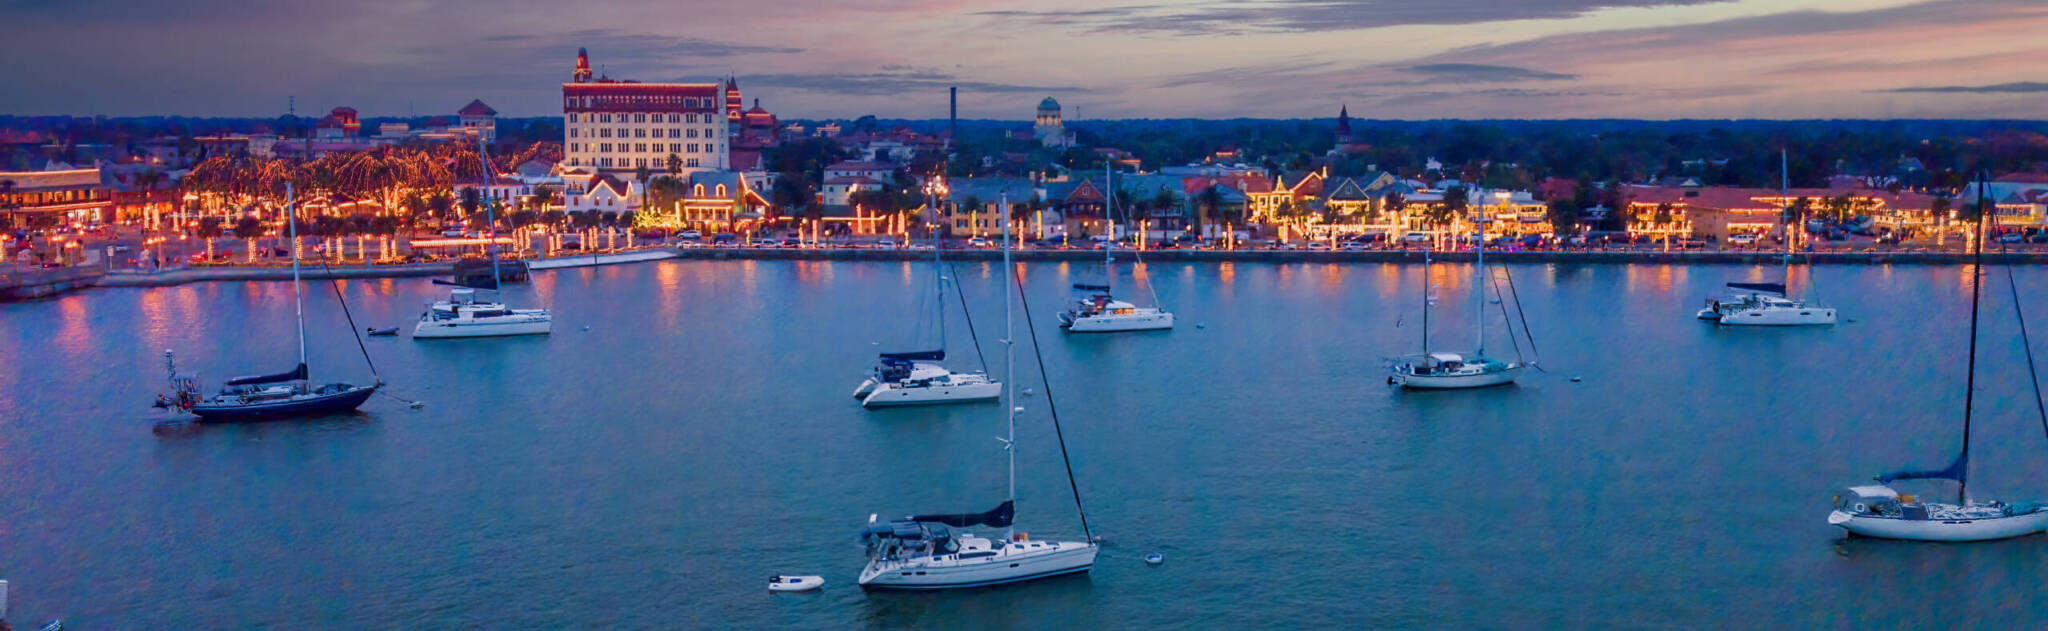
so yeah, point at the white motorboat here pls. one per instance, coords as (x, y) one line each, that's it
(923, 552)
(1097, 312)
(795, 583)
(919, 379)
(1095, 308)
(1880, 511)
(1758, 309)
(1439, 370)
(462, 315)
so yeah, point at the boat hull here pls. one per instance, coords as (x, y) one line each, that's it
(1070, 558)
(1951, 530)
(1814, 316)
(1709, 315)
(889, 395)
(447, 329)
(1456, 382)
(313, 405)
(1148, 320)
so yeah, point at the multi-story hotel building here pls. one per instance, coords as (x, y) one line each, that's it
(619, 126)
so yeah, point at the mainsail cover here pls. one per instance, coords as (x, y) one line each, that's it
(916, 356)
(1769, 288)
(1001, 517)
(295, 374)
(1088, 287)
(1958, 471)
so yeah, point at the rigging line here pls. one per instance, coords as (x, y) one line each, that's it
(336, 284)
(1970, 382)
(1046, 381)
(2033, 375)
(1517, 293)
(1505, 320)
(969, 316)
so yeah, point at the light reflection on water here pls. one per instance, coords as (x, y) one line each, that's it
(699, 436)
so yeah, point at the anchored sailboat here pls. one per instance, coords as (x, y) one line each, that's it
(1440, 370)
(923, 552)
(260, 397)
(463, 315)
(1767, 304)
(1095, 308)
(921, 377)
(1878, 510)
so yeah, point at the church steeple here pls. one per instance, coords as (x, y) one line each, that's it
(582, 66)
(1344, 125)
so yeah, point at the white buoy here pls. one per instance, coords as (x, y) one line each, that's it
(1576, 379)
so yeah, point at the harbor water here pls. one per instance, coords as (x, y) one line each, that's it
(688, 431)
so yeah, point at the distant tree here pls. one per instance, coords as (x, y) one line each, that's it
(1563, 214)
(1440, 215)
(675, 165)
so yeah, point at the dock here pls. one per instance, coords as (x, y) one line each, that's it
(30, 283)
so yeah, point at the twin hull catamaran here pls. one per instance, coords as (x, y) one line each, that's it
(1095, 308)
(921, 377)
(463, 315)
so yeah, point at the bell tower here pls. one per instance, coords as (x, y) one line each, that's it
(582, 66)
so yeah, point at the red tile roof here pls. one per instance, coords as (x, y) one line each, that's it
(476, 108)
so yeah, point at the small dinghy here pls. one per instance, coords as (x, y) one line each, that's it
(1155, 558)
(795, 583)
(385, 331)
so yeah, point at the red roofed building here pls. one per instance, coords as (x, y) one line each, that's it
(479, 119)
(339, 124)
(620, 126)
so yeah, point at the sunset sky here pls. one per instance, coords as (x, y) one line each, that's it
(1154, 58)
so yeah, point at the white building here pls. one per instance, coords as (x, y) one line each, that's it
(620, 126)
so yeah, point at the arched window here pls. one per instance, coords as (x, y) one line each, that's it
(699, 190)
(721, 190)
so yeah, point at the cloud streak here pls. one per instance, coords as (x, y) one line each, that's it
(2017, 87)
(1298, 16)
(1485, 72)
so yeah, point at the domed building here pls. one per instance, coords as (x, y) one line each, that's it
(1049, 130)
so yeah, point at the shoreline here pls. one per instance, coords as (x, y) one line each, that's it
(129, 278)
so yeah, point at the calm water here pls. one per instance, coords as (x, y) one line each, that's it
(653, 470)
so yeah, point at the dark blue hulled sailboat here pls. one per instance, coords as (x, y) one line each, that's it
(261, 397)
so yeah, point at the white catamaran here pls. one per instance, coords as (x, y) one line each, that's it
(1095, 308)
(1878, 510)
(463, 315)
(924, 552)
(1767, 304)
(921, 377)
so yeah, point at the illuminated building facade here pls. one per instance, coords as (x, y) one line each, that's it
(619, 126)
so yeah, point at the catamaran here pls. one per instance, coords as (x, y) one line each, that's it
(1095, 308)
(261, 397)
(924, 552)
(463, 315)
(1878, 510)
(1441, 370)
(921, 377)
(1767, 304)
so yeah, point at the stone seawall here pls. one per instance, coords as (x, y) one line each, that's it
(1377, 256)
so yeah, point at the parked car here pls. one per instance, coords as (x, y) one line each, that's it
(2012, 237)
(1743, 240)
(790, 243)
(691, 235)
(979, 242)
(1532, 240)
(1415, 237)
(886, 243)
(724, 238)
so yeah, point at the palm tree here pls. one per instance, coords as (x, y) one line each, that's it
(1211, 204)
(642, 174)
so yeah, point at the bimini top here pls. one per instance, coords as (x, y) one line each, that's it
(1447, 357)
(910, 356)
(1766, 288)
(295, 374)
(1874, 491)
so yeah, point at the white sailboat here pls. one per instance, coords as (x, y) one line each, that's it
(921, 377)
(1767, 304)
(1878, 510)
(1440, 370)
(1095, 308)
(464, 315)
(925, 552)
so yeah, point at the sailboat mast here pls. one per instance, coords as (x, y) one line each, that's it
(1426, 263)
(1009, 363)
(1976, 290)
(938, 273)
(1785, 193)
(1109, 223)
(489, 214)
(1479, 282)
(292, 212)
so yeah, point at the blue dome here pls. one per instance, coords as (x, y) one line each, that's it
(1048, 104)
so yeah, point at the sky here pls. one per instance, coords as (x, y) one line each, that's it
(1391, 59)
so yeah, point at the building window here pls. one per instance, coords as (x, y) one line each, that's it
(690, 162)
(640, 133)
(572, 117)
(693, 147)
(604, 118)
(572, 132)
(693, 133)
(624, 134)
(639, 118)
(690, 117)
(640, 147)
(675, 147)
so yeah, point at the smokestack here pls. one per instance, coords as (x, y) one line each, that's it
(953, 112)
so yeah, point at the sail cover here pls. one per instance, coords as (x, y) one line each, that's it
(1088, 287)
(1001, 517)
(1958, 471)
(294, 374)
(915, 356)
(1769, 288)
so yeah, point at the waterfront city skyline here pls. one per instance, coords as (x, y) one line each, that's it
(1274, 59)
